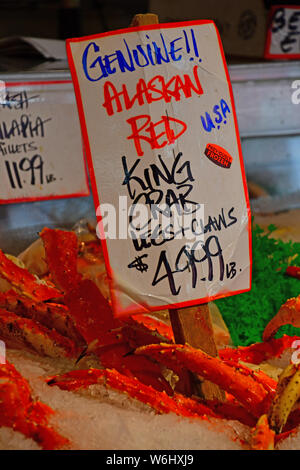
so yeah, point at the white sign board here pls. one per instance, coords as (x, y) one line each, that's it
(41, 149)
(283, 33)
(157, 115)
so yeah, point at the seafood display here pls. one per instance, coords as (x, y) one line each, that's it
(54, 302)
(21, 412)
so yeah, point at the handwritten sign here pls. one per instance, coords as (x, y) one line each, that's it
(157, 114)
(283, 33)
(41, 151)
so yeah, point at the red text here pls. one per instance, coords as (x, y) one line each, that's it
(152, 132)
(155, 90)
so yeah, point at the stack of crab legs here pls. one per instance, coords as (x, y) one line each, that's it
(64, 313)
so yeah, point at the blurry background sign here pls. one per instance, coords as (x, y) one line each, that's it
(40, 140)
(283, 32)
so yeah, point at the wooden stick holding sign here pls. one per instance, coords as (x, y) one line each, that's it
(191, 325)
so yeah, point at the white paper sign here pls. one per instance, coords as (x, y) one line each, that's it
(41, 149)
(283, 36)
(160, 129)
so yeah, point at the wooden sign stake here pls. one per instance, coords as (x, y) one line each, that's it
(191, 325)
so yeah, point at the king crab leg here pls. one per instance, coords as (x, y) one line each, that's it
(289, 313)
(258, 352)
(51, 315)
(245, 388)
(160, 401)
(92, 314)
(21, 333)
(61, 253)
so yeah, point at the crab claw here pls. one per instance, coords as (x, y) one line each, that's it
(248, 391)
(289, 313)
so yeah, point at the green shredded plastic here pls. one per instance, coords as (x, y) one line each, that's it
(246, 315)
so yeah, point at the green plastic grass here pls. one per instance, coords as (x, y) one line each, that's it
(246, 315)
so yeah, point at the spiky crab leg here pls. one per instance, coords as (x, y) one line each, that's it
(23, 281)
(61, 253)
(160, 401)
(145, 329)
(19, 411)
(90, 311)
(88, 308)
(289, 313)
(155, 325)
(245, 388)
(259, 376)
(21, 333)
(258, 352)
(51, 315)
(92, 314)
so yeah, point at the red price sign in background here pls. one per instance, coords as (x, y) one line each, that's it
(159, 124)
(283, 35)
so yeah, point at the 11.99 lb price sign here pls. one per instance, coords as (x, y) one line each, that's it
(41, 149)
(160, 130)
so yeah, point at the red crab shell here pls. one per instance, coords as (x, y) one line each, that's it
(19, 411)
